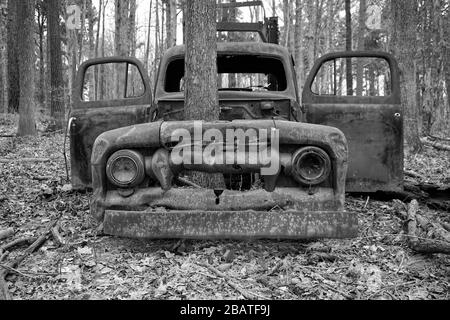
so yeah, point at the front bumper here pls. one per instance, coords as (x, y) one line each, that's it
(286, 213)
(230, 225)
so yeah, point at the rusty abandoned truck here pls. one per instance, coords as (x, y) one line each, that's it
(331, 141)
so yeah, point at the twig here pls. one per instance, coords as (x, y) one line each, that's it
(3, 257)
(15, 271)
(345, 295)
(4, 293)
(246, 294)
(57, 236)
(367, 203)
(275, 268)
(435, 144)
(17, 243)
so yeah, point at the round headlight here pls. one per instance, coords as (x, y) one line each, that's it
(311, 166)
(126, 168)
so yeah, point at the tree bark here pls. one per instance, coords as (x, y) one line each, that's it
(13, 58)
(361, 34)
(56, 77)
(201, 61)
(171, 23)
(404, 46)
(299, 43)
(3, 58)
(348, 46)
(149, 37)
(27, 59)
(201, 95)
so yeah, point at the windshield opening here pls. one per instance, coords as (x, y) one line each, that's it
(235, 73)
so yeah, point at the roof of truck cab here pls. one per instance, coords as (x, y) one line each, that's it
(238, 48)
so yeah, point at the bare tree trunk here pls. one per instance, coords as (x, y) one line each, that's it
(232, 17)
(348, 46)
(132, 28)
(299, 43)
(404, 18)
(81, 32)
(13, 58)
(156, 59)
(41, 19)
(97, 40)
(56, 77)
(171, 23)
(149, 37)
(121, 40)
(201, 72)
(27, 59)
(447, 61)
(361, 33)
(3, 59)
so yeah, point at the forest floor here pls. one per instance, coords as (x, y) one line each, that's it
(376, 265)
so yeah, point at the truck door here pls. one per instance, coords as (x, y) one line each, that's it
(110, 93)
(359, 93)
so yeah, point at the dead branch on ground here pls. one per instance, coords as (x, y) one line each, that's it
(422, 245)
(246, 294)
(435, 144)
(4, 293)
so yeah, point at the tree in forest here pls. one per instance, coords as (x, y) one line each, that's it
(125, 34)
(27, 59)
(13, 58)
(201, 97)
(125, 27)
(171, 23)
(298, 34)
(57, 109)
(3, 57)
(404, 47)
(361, 33)
(348, 45)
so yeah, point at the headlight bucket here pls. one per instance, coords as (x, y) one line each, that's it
(311, 166)
(126, 169)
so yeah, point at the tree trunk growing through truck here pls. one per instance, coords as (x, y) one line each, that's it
(27, 59)
(201, 97)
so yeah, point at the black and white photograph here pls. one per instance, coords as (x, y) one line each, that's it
(224, 155)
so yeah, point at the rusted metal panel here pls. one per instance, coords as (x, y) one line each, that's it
(373, 127)
(92, 118)
(89, 124)
(231, 225)
(153, 136)
(323, 199)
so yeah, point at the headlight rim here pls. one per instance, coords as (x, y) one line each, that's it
(138, 160)
(322, 155)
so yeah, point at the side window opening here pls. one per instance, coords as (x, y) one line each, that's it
(112, 81)
(356, 76)
(235, 73)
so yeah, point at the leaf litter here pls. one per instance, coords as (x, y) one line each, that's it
(377, 265)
